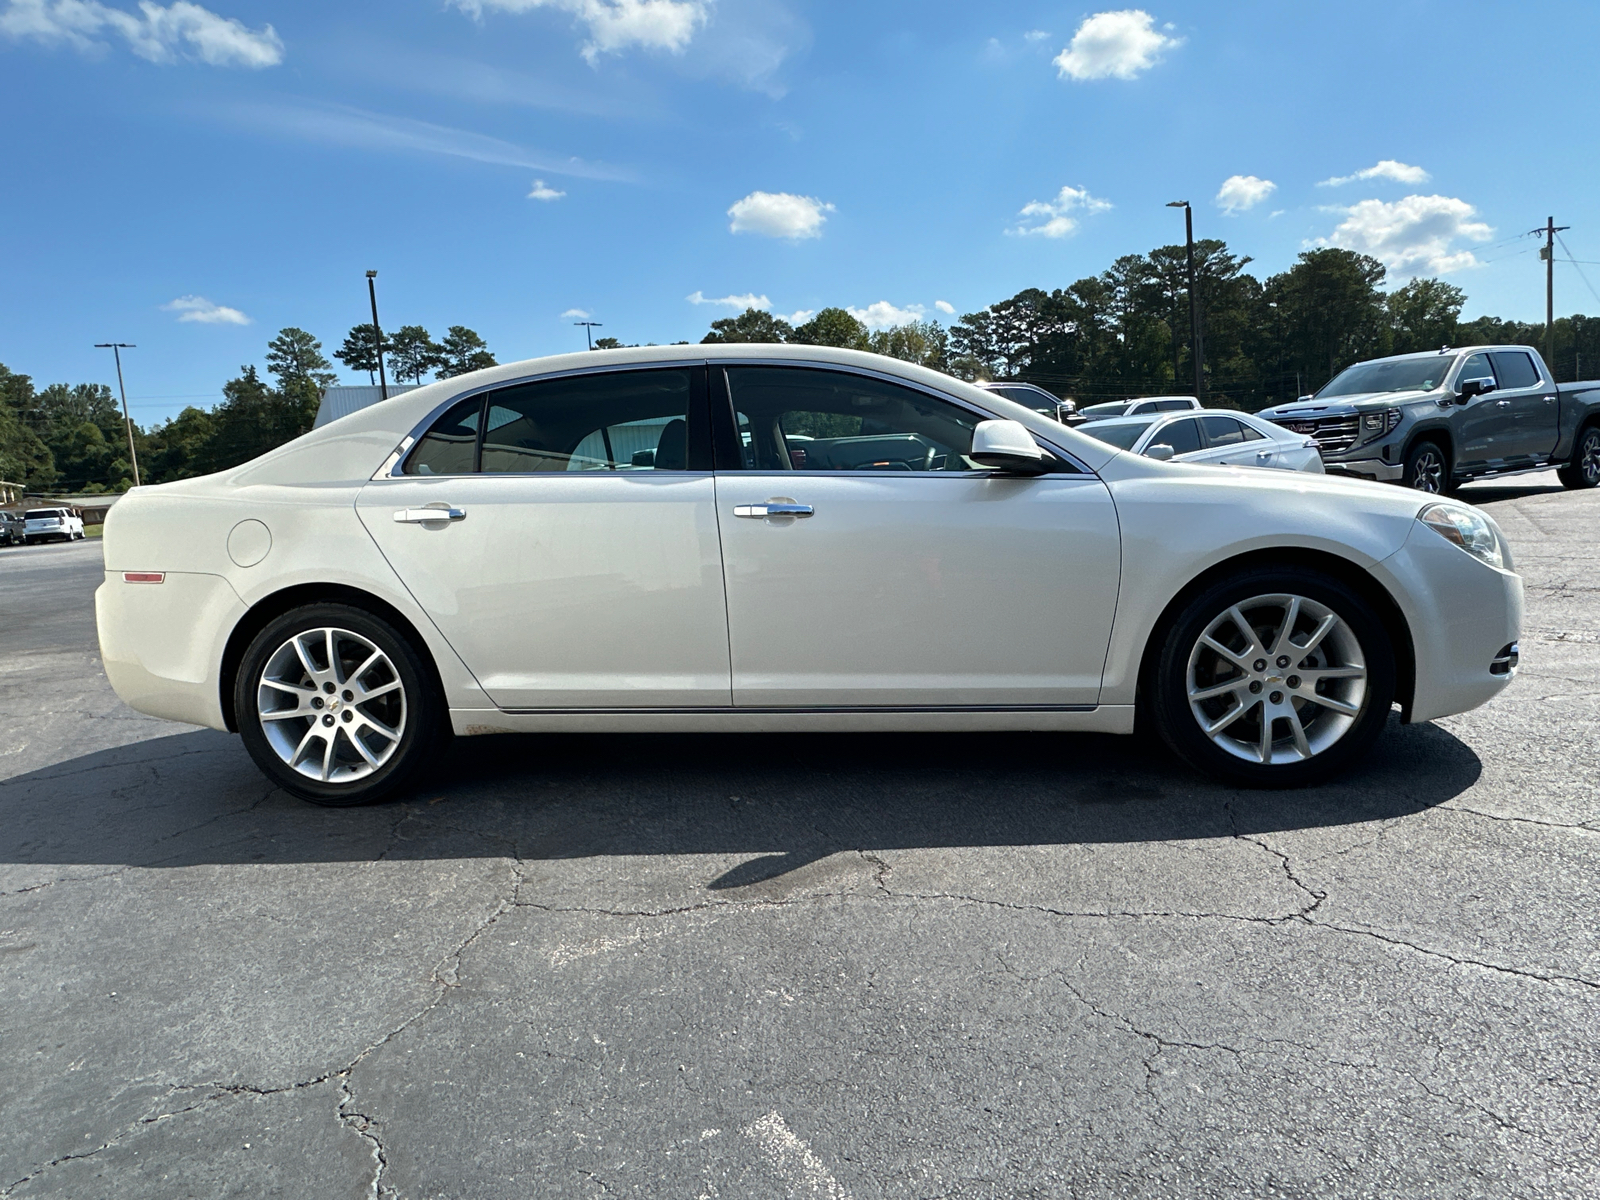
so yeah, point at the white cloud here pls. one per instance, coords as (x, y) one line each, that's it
(1053, 218)
(161, 35)
(779, 214)
(1035, 35)
(202, 311)
(1239, 192)
(542, 192)
(800, 316)
(1387, 169)
(1414, 236)
(1114, 45)
(944, 306)
(581, 314)
(616, 25)
(882, 315)
(738, 303)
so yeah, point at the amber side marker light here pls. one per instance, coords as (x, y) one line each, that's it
(144, 576)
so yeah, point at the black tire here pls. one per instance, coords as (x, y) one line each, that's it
(343, 776)
(1334, 739)
(1584, 469)
(1427, 468)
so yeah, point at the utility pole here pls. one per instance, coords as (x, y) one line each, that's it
(377, 333)
(116, 349)
(589, 328)
(1548, 253)
(1195, 344)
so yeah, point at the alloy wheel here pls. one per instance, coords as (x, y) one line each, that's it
(1428, 473)
(1589, 457)
(332, 705)
(1276, 679)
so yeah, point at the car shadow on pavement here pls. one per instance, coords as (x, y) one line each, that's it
(196, 798)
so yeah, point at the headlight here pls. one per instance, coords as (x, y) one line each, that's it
(1376, 424)
(1466, 528)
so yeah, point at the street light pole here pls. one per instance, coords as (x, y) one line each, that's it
(116, 349)
(589, 328)
(1197, 347)
(377, 333)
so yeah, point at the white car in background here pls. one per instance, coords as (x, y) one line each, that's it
(783, 539)
(51, 524)
(1223, 437)
(1138, 407)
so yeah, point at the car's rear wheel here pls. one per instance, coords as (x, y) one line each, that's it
(1584, 469)
(336, 706)
(1427, 469)
(1275, 678)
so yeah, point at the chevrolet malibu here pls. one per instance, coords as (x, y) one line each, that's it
(774, 538)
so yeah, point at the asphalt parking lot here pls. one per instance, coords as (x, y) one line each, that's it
(804, 966)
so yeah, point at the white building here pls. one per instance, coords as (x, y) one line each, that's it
(342, 401)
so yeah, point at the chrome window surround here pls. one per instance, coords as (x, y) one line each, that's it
(391, 465)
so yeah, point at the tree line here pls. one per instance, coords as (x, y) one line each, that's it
(70, 438)
(1126, 331)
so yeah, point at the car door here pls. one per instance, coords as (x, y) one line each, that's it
(1485, 424)
(1532, 401)
(870, 564)
(574, 559)
(1230, 441)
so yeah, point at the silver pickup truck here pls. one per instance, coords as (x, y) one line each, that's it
(1432, 421)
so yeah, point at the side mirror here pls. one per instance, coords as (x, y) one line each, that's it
(1468, 388)
(1066, 411)
(1161, 452)
(1006, 446)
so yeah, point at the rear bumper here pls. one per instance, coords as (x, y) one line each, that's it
(1462, 614)
(162, 643)
(1366, 468)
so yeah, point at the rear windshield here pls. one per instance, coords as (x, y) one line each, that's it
(39, 513)
(1121, 434)
(1393, 375)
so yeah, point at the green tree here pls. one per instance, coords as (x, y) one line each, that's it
(463, 351)
(832, 327)
(360, 351)
(253, 418)
(24, 457)
(294, 355)
(926, 343)
(1425, 314)
(1331, 312)
(178, 448)
(752, 325)
(413, 353)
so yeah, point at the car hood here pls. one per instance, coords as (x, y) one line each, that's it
(1340, 406)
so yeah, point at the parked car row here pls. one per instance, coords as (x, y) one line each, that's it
(751, 537)
(40, 525)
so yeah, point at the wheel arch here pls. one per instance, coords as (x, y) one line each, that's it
(270, 608)
(1349, 573)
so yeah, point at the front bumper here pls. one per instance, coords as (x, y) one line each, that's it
(1366, 468)
(1463, 615)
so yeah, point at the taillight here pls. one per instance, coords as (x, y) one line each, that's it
(143, 576)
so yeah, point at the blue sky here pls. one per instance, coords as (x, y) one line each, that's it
(191, 177)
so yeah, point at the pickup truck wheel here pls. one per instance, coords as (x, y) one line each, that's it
(1584, 469)
(1274, 678)
(337, 707)
(1426, 469)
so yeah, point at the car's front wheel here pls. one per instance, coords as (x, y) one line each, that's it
(1584, 469)
(337, 706)
(1427, 469)
(1274, 678)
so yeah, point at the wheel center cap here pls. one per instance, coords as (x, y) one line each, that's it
(1274, 678)
(335, 704)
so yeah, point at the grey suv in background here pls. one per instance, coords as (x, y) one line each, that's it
(1432, 421)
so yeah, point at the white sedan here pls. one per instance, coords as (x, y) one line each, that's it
(1226, 438)
(753, 537)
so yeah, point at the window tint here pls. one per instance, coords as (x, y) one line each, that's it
(1183, 436)
(1121, 434)
(798, 419)
(1476, 367)
(619, 421)
(451, 446)
(1514, 369)
(1169, 406)
(1227, 431)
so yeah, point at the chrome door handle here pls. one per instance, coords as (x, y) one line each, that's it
(1503, 403)
(772, 508)
(1549, 399)
(434, 512)
(1263, 453)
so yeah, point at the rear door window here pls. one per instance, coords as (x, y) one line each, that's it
(1514, 369)
(450, 447)
(1183, 436)
(1227, 431)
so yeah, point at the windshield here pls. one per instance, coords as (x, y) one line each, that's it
(1390, 375)
(1121, 434)
(1032, 397)
(1114, 406)
(39, 514)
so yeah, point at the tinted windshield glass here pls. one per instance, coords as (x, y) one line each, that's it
(1121, 434)
(1106, 410)
(1394, 375)
(39, 514)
